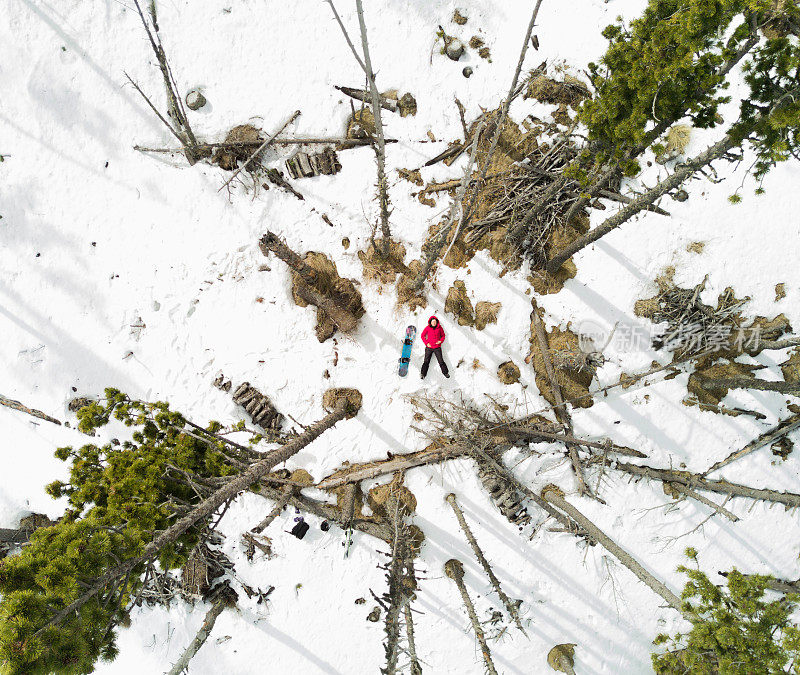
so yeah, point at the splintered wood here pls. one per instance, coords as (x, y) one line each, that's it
(306, 165)
(258, 406)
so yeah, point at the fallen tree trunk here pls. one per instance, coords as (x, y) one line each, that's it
(358, 472)
(783, 428)
(16, 405)
(548, 508)
(688, 492)
(554, 496)
(561, 409)
(510, 606)
(455, 570)
(343, 319)
(752, 383)
(237, 484)
(225, 598)
(700, 482)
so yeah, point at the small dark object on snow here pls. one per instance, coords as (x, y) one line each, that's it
(305, 165)
(324, 526)
(195, 100)
(220, 383)
(300, 529)
(535, 42)
(680, 196)
(374, 615)
(467, 72)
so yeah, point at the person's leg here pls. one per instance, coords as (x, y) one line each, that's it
(440, 359)
(426, 361)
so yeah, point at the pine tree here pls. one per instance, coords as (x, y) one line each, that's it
(119, 495)
(629, 95)
(735, 630)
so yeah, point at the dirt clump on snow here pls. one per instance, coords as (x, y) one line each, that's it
(459, 18)
(459, 305)
(696, 247)
(243, 139)
(570, 91)
(383, 269)
(412, 176)
(780, 292)
(508, 372)
(406, 293)
(361, 124)
(485, 313)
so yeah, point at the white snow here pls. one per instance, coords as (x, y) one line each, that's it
(96, 236)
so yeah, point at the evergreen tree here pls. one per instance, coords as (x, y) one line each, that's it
(670, 63)
(735, 630)
(769, 113)
(118, 495)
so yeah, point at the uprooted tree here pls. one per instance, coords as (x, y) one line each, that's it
(134, 505)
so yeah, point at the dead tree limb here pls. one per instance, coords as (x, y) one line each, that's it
(511, 607)
(435, 246)
(225, 598)
(455, 570)
(416, 669)
(512, 93)
(286, 496)
(561, 409)
(553, 495)
(380, 144)
(180, 126)
(260, 149)
(684, 490)
(16, 405)
(237, 484)
(700, 482)
(783, 428)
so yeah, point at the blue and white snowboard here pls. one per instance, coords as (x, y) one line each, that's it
(405, 355)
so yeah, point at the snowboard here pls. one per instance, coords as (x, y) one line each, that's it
(405, 355)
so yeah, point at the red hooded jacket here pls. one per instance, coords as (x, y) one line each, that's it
(433, 337)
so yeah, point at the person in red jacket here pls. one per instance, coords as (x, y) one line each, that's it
(432, 338)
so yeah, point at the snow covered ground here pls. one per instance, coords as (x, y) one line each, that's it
(97, 237)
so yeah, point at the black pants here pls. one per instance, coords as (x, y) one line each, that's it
(430, 351)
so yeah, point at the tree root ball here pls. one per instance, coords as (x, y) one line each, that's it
(353, 397)
(454, 569)
(508, 372)
(195, 99)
